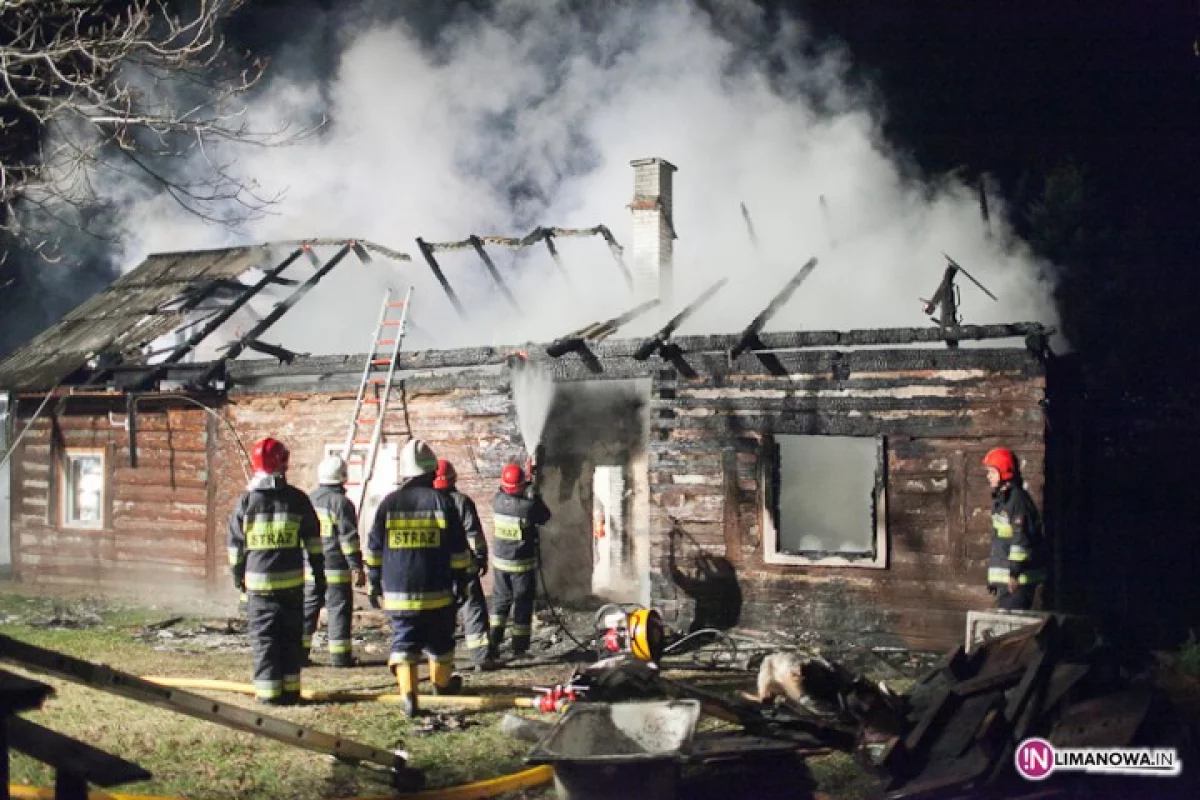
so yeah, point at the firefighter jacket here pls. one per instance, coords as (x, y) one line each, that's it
(417, 554)
(515, 521)
(1017, 546)
(339, 532)
(270, 530)
(472, 525)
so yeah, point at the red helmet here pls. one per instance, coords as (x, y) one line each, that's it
(269, 455)
(1003, 461)
(445, 476)
(512, 479)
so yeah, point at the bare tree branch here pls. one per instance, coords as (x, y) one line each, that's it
(121, 88)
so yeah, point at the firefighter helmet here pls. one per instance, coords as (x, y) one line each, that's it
(416, 459)
(512, 479)
(1003, 461)
(270, 456)
(331, 471)
(446, 475)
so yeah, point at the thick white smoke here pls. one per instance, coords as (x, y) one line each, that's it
(530, 116)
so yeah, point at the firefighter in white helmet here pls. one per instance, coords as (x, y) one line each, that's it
(417, 558)
(343, 563)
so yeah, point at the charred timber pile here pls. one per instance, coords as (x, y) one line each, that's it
(1055, 680)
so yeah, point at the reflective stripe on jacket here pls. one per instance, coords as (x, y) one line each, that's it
(417, 550)
(339, 532)
(271, 529)
(1017, 542)
(515, 521)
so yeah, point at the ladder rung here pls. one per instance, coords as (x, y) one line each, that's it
(375, 362)
(397, 304)
(378, 380)
(385, 342)
(362, 441)
(391, 322)
(367, 420)
(374, 401)
(353, 483)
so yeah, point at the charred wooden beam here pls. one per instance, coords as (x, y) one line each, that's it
(277, 312)
(945, 298)
(548, 238)
(427, 251)
(495, 273)
(749, 336)
(658, 340)
(284, 355)
(131, 425)
(196, 338)
(597, 331)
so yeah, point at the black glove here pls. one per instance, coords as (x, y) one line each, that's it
(481, 565)
(460, 593)
(374, 595)
(992, 590)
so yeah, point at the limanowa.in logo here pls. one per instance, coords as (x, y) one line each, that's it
(1037, 759)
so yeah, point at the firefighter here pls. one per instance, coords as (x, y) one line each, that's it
(474, 609)
(269, 531)
(518, 510)
(343, 563)
(417, 559)
(1016, 565)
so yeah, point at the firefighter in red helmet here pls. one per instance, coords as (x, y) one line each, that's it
(271, 530)
(474, 610)
(1017, 564)
(517, 511)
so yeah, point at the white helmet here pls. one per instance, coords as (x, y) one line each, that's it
(416, 459)
(331, 471)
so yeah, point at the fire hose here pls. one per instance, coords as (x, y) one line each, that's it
(478, 790)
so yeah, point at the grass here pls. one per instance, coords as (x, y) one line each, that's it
(1187, 659)
(195, 759)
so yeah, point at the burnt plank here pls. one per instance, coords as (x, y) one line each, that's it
(70, 755)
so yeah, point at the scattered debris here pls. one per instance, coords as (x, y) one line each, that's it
(1057, 679)
(439, 722)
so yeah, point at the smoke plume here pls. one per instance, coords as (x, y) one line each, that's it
(529, 113)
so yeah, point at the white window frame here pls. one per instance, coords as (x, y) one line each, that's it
(71, 455)
(771, 553)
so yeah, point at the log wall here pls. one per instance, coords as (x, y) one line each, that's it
(155, 529)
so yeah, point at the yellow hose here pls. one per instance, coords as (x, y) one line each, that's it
(479, 790)
(468, 702)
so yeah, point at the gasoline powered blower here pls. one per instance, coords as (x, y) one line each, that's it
(629, 630)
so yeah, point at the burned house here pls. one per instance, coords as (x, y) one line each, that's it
(824, 480)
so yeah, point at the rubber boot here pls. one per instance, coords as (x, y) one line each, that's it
(442, 676)
(406, 681)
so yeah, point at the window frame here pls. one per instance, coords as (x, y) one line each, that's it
(66, 488)
(768, 508)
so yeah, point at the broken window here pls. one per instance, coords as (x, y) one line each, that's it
(824, 501)
(83, 489)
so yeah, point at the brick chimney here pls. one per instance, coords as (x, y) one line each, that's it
(653, 231)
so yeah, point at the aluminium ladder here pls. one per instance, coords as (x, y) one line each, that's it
(375, 390)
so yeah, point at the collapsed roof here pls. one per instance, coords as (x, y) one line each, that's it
(193, 293)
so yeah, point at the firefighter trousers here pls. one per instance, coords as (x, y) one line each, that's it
(474, 617)
(1020, 600)
(513, 591)
(338, 602)
(275, 622)
(422, 633)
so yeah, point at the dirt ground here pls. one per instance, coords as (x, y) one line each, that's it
(195, 759)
